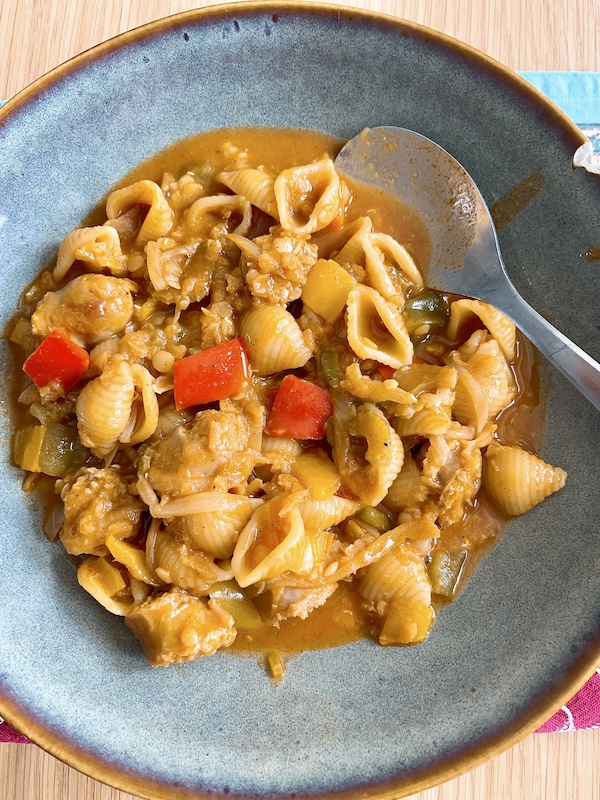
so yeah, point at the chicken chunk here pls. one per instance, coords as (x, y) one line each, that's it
(89, 308)
(175, 627)
(454, 469)
(210, 452)
(97, 504)
(289, 601)
(280, 271)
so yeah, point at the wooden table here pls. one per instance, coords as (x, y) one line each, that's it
(36, 35)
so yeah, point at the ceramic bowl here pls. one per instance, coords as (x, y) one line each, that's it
(360, 720)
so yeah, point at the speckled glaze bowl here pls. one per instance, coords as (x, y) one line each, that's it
(359, 720)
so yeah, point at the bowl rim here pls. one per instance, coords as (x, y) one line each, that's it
(69, 752)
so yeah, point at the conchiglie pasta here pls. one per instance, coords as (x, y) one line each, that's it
(215, 532)
(376, 329)
(234, 210)
(470, 405)
(178, 565)
(273, 542)
(159, 219)
(98, 247)
(308, 197)
(501, 328)
(255, 185)
(368, 454)
(145, 418)
(407, 490)
(274, 339)
(389, 267)
(517, 480)
(399, 588)
(488, 366)
(104, 406)
(346, 245)
(322, 514)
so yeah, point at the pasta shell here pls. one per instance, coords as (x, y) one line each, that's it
(348, 242)
(223, 206)
(470, 405)
(215, 532)
(426, 378)
(158, 220)
(399, 586)
(500, 327)
(146, 418)
(389, 267)
(376, 329)
(99, 247)
(368, 474)
(177, 564)
(319, 515)
(100, 354)
(490, 370)
(429, 421)
(248, 247)
(103, 407)
(363, 387)
(407, 490)
(517, 480)
(417, 531)
(308, 197)
(381, 580)
(274, 340)
(273, 542)
(100, 578)
(255, 185)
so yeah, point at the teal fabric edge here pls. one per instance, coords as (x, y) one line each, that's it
(576, 93)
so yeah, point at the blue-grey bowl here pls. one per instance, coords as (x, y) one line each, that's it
(359, 720)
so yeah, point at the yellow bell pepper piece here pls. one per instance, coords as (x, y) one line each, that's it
(245, 614)
(326, 289)
(103, 575)
(275, 665)
(27, 447)
(407, 621)
(317, 473)
(131, 557)
(106, 584)
(144, 312)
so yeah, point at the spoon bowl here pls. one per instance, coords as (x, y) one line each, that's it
(465, 254)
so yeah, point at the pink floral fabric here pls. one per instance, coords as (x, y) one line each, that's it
(580, 713)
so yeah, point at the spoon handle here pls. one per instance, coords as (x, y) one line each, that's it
(574, 363)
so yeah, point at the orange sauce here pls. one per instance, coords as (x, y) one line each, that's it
(343, 618)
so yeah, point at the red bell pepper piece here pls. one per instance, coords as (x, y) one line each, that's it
(213, 374)
(59, 359)
(299, 411)
(385, 371)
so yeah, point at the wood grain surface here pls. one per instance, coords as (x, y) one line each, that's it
(36, 35)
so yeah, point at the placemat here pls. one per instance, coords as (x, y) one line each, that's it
(578, 95)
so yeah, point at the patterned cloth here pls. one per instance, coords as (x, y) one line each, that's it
(578, 94)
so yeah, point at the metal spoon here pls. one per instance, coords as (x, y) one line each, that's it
(465, 255)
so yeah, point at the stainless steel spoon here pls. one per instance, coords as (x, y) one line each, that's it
(465, 255)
